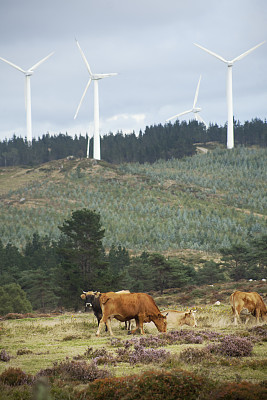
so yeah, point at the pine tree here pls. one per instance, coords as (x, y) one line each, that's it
(83, 245)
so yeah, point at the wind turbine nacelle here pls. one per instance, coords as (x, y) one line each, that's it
(196, 110)
(29, 73)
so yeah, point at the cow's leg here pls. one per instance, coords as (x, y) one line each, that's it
(101, 323)
(106, 321)
(108, 325)
(141, 324)
(257, 316)
(137, 326)
(237, 312)
(98, 322)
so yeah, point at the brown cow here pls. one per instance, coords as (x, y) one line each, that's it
(127, 306)
(252, 301)
(180, 318)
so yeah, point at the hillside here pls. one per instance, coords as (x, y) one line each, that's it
(202, 203)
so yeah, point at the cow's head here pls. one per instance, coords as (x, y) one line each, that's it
(89, 296)
(160, 321)
(189, 318)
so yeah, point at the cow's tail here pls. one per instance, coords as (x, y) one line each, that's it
(232, 301)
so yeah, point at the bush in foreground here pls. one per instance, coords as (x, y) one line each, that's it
(15, 377)
(174, 385)
(240, 391)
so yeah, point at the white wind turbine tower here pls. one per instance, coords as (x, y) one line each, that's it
(88, 142)
(229, 89)
(28, 73)
(195, 110)
(95, 78)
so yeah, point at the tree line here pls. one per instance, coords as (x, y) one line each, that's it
(47, 274)
(156, 142)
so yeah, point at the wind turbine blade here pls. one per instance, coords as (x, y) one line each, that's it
(196, 95)
(84, 93)
(107, 75)
(247, 52)
(40, 62)
(212, 53)
(84, 58)
(198, 117)
(13, 65)
(178, 115)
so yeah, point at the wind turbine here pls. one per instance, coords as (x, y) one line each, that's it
(195, 110)
(28, 73)
(95, 78)
(229, 89)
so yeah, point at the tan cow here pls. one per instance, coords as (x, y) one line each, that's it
(252, 301)
(180, 318)
(127, 306)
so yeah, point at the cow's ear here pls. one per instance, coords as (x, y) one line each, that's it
(97, 294)
(83, 296)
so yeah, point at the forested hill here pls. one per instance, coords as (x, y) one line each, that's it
(156, 142)
(204, 202)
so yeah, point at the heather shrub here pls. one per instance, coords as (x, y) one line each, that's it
(15, 377)
(146, 355)
(149, 341)
(260, 331)
(232, 346)
(174, 385)
(21, 352)
(100, 356)
(4, 356)
(183, 336)
(193, 355)
(239, 391)
(123, 355)
(76, 370)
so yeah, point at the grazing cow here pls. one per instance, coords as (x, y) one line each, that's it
(180, 318)
(92, 299)
(127, 306)
(252, 301)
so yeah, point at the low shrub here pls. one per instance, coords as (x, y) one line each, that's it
(76, 370)
(232, 346)
(99, 356)
(15, 377)
(183, 336)
(145, 355)
(21, 352)
(4, 356)
(260, 331)
(193, 355)
(175, 385)
(239, 391)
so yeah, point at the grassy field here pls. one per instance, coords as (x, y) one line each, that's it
(61, 347)
(36, 343)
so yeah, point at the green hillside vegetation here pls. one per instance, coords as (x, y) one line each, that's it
(204, 202)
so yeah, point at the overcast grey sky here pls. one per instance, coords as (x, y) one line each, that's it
(148, 42)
